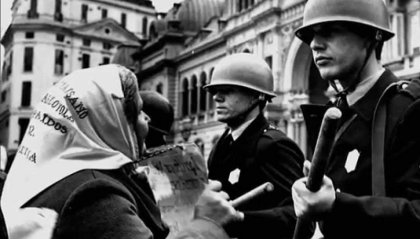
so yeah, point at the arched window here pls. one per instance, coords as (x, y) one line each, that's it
(145, 26)
(239, 6)
(245, 4)
(210, 97)
(152, 32)
(184, 93)
(194, 95)
(203, 93)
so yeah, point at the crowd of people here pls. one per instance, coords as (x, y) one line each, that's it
(73, 177)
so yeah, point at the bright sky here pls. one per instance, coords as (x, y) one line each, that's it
(5, 5)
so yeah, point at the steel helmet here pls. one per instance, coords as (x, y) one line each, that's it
(372, 13)
(245, 70)
(159, 110)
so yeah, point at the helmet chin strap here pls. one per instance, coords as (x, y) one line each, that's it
(240, 118)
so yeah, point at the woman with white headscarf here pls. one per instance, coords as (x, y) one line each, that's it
(75, 159)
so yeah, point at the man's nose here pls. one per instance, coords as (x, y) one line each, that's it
(316, 43)
(218, 97)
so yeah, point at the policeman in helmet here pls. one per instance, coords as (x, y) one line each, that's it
(372, 183)
(251, 152)
(161, 115)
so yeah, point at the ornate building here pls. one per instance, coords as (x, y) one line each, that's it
(50, 38)
(187, 42)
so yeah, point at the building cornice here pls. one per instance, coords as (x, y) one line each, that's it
(60, 28)
(159, 66)
(159, 43)
(127, 5)
(200, 49)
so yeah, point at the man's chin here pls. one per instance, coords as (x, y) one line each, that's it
(222, 118)
(330, 74)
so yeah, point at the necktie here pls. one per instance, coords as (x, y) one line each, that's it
(226, 141)
(341, 102)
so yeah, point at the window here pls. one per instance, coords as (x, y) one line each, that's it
(58, 16)
(106, 46)
(85, 61)
(28, 59)
(211, 102)
(153, 32)
(104, 13)
(59, 62)
(59, 37)
(194, 94)
(4, 72)
(203, 95)
(145, 26)
(32, 13)
(3, 96)
(239, 5)
(394, 48)
(414, 28)
(185, 101)
(26, 93)
(29, 35)
(85, 9)
(86, 42)
(123, 19)
(105, 60)
(9, 68)
(23, 124)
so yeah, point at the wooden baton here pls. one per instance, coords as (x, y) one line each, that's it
(322, 152)
(263, 188)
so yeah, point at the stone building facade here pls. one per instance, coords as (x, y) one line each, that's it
(48, 39)
(187, 42)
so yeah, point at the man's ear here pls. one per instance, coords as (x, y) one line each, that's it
(378, 36)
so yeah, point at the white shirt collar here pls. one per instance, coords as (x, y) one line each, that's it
(363, 87)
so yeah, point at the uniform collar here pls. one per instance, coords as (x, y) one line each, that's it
(365, 106)
(238, 132)
(363, 87)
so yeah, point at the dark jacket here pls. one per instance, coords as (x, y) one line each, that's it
(110, 204)
(262, 154)
(3, 229)
(357, 214)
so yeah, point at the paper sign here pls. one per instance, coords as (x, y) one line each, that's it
(177, 175)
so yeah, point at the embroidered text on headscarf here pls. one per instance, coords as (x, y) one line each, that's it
(78, 124)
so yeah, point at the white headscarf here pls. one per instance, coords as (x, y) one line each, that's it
(79, 124)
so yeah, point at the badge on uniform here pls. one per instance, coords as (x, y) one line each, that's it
(351, 161)
(234, 176)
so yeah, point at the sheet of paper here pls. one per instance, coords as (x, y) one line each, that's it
(177, 175)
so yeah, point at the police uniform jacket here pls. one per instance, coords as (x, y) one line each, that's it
(260, 154)
(355, 213)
